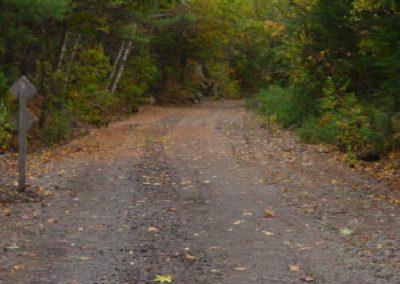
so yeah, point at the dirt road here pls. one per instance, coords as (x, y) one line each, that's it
(184, 192)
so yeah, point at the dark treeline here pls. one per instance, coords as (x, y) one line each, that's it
(330, 68)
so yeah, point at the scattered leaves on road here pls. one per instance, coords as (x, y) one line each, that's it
(7, 212)
(191, 257)
(164, 279)
(13, 247)
(153, 230)
(51, 221)
(268, 233)
(294, 268)
(268, 213)
(308, 278)
(345, 231)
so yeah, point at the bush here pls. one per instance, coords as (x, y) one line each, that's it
(287, 106)
(341, 120)
(222, 74)
(5, 115)
(57, 126)
(89, 98)
(352, 126)
(139, 77)
(5, 127)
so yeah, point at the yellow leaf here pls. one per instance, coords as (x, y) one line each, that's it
(294, 268)
(308, 278)
(164, 279)
(268, 213)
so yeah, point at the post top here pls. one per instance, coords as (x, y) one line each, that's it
(24, 87)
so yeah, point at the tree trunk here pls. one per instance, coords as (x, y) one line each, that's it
(121, 68)
(116, 63)
(63, 50)
(70, 63)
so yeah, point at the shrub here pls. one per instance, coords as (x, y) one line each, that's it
(287, 106)
(5, 127)
(90, 98)
(57, 126)
(342, 120)
(139, 77)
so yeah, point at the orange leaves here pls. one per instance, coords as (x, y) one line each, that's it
(274, 28)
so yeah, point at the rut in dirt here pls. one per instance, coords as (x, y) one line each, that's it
(184, 192)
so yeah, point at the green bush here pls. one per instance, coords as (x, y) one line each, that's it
(139, 77)
(287, 106)
(57, 126)
(5, 127)
(350, 125)
(310, 132)
(5, 115)
(89, 98)
(341, 120)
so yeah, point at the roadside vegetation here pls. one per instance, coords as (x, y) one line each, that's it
(335, 74)
(326, 68)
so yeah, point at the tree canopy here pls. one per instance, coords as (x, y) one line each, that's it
(328, 67)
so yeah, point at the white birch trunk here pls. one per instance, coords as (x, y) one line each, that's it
(63, 50)
(116, 63)
(121, 68)
(70, 63)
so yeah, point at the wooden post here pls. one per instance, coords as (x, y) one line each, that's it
(22, 117)
(23, 90)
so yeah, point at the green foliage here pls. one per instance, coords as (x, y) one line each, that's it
(142, 74)
(344, 55)
(57, 126)
(287, 106)
(5, 127)
(5, 115)
(328, 67)
(89, 97)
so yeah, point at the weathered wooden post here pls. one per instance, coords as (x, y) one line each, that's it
(24, 90)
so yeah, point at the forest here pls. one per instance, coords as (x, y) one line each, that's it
(329, 69)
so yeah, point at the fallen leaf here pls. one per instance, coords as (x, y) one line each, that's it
(153, 230)
(16, 268)
(345, 231)
(191, 257)
(294, 268)
(7, 212)
(85, 258)
(13, 247)
(42, 192)
(268, 213)
(308, 278)
(52, 221)
(268, 233)
(164, 279)
(27, 254)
